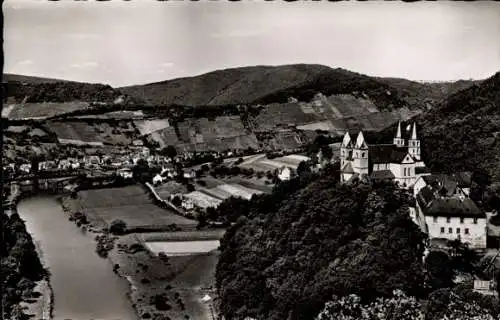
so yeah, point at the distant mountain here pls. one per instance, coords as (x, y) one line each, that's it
(8, 77)
(427, 94)
(270, 84)
(21, 88)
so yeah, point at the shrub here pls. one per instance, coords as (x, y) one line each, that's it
(118, 227)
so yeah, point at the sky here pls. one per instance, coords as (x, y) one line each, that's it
(141, 41)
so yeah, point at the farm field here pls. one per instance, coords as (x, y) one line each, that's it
(81, 132)
(43, 110)
(182, 248)
(265, 164)
(146, 127)
(130, 204)
(203, 200)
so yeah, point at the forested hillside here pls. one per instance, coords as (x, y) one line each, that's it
(294, 249)
(462, 133)
(39, 90)
(266, 84)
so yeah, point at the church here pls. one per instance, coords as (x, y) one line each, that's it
(399, 161)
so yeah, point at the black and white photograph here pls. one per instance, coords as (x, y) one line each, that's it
(250, 160)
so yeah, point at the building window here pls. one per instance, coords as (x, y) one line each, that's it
(363, 155)
(404, 174)
(435, 219)
(442, 229)
(450, 230)
(466, 230)
(475, 220)
(458, 230)
(448, 219)
(461, 220)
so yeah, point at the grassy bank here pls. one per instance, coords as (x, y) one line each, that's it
(160, 287)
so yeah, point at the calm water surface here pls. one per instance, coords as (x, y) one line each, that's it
(84, 284)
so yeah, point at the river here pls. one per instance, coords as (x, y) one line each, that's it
(84, 285)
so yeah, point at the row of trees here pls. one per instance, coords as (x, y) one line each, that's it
(21, 266)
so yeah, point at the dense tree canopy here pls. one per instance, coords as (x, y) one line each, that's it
(291, 251)
(20, 264)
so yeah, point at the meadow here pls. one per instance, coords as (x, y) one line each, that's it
(131, 204)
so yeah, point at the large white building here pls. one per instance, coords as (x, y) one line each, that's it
(400, 161)
(444, 212)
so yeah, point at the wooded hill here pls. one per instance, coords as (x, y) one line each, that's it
(462, 132)
(268, 84)
(290, 251)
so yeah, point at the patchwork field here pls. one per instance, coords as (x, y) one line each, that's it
(203, 200)
(220, 134)
(42, 110)
(149, 126)
(265, 164)
(81, 132)
(276, 115)
(130, 204)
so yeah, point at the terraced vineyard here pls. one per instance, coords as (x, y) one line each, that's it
(42, 110)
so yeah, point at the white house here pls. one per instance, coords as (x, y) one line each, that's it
(125, 173)
(285, 173)
(157, 179)
(452, 217)
(189, 174)
(25, 167)
(64, 164)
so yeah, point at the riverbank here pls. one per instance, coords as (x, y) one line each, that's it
(159, 288)
(83, 284)
(41, 305)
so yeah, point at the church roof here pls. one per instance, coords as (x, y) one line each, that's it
(360, 141)
(348, 168)
(382, 174)
(386, 153)
(422, 170)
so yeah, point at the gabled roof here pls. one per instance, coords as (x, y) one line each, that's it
(347, 168)
(454, 207)
(346, 142)
(442, 183)
(464, 179)
(434, 205)
(382, 174)
(425, 196)
(360, 141)
(387, 153)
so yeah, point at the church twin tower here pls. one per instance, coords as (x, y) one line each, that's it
(358, 157)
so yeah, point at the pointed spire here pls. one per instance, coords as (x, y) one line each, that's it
(398, 133)
(360, 141)
(347, 139)
(414, 132)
